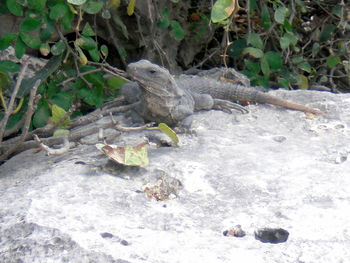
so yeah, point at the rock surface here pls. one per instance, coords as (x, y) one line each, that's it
(271, 168)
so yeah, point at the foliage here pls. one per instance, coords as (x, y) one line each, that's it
(42, 22)
(175, 27)
(284, 42)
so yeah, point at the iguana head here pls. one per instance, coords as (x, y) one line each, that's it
(153, 78)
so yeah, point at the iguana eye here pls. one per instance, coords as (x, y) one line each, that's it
(152, 71)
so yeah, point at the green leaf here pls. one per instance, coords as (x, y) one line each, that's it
(315, 49)
(37, 4)
(63, 99)
(287, 26)
(333, 61)
(52, 89)
(122, 52)
(301, 5)
(76, 2)
(288, 39)
(323, 79)
(115, 82)
(283, 82)
(93, 97)
(7, 40)
(58, 48)
(20, 48)
(94, 55)
(122, 26)
(168, 131)
(104, 51)
(95, 78)
(9, 66)
(57, 115)
(67, 20)
(305, 66)
(14, 7)
(88, 31)
(280, 14)
(165, 21)
(274, 59)
(284, 42)
(255, 40)
(252, 5)
(237, 47)
(337, 10)
(30, 40)
(34, 14)
(298, 59)
(327, 31)
(266, 20)
(46, 30)
(14, 119)
(87, 43)
(254, 52)
(265, 68)
(41, 115)
(253, 67)
(4, 80)
(221, 10)
(60, 133)
(58, 10)
(177, 30)
(92, 8)
(29, 24)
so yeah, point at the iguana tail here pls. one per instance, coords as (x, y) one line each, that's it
(261, 97)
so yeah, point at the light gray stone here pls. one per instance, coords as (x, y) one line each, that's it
(270, 168)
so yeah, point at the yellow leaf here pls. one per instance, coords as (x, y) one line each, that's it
(60, 133)
(168, 131)
(72, 9)
(113, 4)
(304, 82)
(57, 115)
(126, 155)
(82, 58)
(131, 7)
(230, 9)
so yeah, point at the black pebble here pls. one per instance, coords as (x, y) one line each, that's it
(124, 242)
(106, 235)
(271, 235)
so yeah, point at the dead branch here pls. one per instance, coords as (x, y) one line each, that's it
(51, 151)
(33, 101)
(9, 110)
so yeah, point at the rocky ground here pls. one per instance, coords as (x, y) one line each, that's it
(272, 168)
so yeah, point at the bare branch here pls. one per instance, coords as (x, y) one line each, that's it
(9, 110)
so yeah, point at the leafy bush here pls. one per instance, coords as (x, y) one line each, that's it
(288, 43)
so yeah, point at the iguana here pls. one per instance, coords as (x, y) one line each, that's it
(164, 98)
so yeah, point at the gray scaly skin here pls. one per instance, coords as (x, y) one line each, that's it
(172, 101)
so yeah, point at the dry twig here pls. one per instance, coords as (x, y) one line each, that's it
(9, 110)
